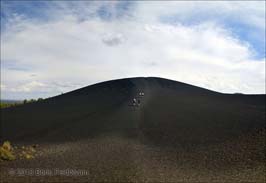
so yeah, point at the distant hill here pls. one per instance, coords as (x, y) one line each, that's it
(169, 113)
(6, 101)
(140, 130)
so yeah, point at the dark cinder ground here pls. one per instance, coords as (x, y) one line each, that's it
(179, 133)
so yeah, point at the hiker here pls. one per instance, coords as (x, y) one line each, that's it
(141, 93)
(134, 101)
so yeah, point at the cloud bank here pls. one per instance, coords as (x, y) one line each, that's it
(85, 43)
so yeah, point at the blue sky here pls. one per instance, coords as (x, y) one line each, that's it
(216, 45)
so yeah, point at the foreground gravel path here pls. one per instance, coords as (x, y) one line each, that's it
(115, 158)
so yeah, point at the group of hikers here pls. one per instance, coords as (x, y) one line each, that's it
(136, 101)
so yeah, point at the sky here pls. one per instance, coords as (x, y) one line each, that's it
(52, 47)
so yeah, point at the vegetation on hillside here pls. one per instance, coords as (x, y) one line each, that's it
(5, 105)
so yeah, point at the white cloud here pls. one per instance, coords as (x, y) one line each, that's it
(3, 87)
(68, 51)
(247, 12)
(28, 87)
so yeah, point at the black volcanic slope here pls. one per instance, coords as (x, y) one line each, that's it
(177, 131)
(169, 110)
